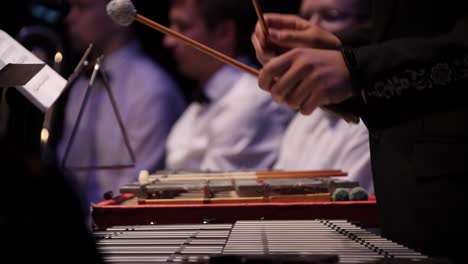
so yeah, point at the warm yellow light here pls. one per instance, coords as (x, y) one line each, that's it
(58, 57)
(44, 135)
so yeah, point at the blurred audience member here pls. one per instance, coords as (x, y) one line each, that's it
(232, 124)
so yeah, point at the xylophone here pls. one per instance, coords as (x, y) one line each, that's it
(300, 241)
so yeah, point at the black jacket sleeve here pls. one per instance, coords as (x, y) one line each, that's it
(385, 70)
(410, 70)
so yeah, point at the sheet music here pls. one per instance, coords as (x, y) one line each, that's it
(45, 87)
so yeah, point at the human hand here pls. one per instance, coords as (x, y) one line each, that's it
(306, 78)
(287, 32)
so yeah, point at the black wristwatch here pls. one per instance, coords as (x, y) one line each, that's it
(351, 63)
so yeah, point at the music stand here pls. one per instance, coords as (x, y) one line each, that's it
(16, 128)
(97, 73)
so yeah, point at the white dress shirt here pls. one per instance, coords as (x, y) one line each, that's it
(323, 141)
(241, 127)
(149, 103)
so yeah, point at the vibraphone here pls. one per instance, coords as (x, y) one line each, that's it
(311, 241)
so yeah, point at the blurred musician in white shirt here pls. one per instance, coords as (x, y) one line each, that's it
(146, 96)
(324, 140)
(237, 126)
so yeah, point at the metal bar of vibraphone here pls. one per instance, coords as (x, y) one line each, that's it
(342, 241)
(166, 234)
(160, 251)
(284, 229)
(135, 259)
(162, 244)
(376, 241)
(157, 259)
(171, 227)
(147, 242)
